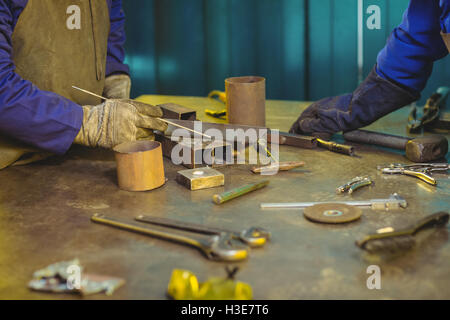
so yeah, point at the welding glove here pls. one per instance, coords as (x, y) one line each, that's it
(117, 87)
(117, 121)
(373, 99)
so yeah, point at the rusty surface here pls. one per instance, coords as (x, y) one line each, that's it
(246, 100)
(45, 212)
(139, 165)
(176, 111)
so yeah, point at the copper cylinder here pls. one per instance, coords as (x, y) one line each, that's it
(246, 100)
(139, 165)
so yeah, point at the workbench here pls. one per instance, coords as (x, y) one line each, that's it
(45, 211)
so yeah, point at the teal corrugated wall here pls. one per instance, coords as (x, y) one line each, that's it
(307, 49)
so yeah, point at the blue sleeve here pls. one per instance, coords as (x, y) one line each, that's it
(116, 40)
(413, 46)
(39, 118)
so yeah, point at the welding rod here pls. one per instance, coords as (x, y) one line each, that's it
(163, 120)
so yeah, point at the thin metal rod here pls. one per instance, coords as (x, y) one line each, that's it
(91, 93)
(179, 126)
(303, 205)
(163, 120)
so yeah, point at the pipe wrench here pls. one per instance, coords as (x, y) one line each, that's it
(218, 247)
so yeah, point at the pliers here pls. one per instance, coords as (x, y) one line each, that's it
(421, 171)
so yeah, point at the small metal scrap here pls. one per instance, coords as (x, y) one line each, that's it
(201, 178)
(60, 278)
(355, 184)
(176, 111)
(278, 166)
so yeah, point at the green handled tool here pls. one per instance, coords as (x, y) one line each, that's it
(235, 193)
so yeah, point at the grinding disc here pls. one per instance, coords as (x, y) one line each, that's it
(332, 213)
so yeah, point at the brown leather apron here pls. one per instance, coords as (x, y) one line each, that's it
(58, 44)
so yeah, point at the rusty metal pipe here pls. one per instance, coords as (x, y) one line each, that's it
(246, 100)
(139, 165)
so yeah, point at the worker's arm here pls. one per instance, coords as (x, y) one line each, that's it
(402, 70)
(118, 82)
(39, 118)
(414, 45)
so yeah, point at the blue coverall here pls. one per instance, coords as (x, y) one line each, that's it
(407, 59)
(401, 73)
(40, 118)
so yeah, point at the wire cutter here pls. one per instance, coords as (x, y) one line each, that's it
(421, 171)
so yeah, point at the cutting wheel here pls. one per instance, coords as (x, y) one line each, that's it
(332, 213)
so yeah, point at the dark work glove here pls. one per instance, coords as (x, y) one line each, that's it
(373, 99)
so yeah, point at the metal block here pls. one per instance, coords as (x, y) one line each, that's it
(176, 111)
(200, 178)
(196, 153)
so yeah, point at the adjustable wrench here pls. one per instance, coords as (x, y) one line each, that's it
(393, 202)
(254, 237)
(219, 247)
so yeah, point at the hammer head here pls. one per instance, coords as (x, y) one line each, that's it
(427, 148)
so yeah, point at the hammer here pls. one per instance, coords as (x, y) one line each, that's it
(422, 149)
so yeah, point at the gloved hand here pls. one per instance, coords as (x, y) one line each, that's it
(373, 99)
(117, 121)
(117, 87)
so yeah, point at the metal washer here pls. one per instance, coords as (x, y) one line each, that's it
(332, 213)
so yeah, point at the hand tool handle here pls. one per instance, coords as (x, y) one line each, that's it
(359, 185)
(376, 138)
(139, 228)
(254, 237)
(439, 219)
(216, 247)
(188, 226)
(346, 187)
(294, 140)
(422, 176)
(235, 193)
(335, 147)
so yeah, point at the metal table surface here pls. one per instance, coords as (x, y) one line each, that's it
(45, 212)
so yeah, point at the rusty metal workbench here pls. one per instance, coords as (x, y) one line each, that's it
(45, 212)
